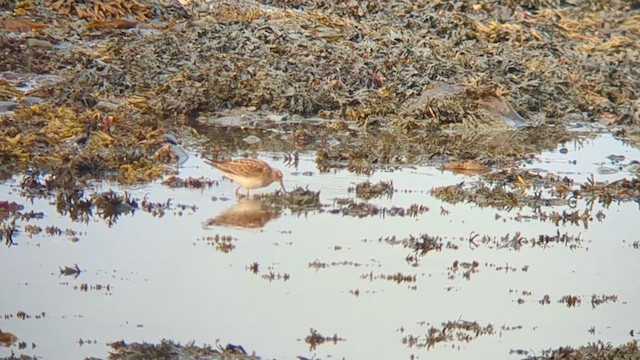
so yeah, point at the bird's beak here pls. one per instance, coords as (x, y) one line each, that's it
(282, 185)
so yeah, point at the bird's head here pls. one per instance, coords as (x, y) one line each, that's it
(277, 176)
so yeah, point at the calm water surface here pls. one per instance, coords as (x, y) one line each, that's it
(166, 281)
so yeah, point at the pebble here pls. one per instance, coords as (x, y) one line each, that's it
(106, 106)
(37, 43)
(251, 139)
(278, 117)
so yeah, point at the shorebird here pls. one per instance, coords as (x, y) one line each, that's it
(248, 173)
(497, 105)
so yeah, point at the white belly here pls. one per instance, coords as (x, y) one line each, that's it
(249, 183)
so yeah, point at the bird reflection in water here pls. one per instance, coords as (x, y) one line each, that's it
(246, 213)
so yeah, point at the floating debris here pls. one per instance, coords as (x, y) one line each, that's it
(570, 300)
(459, 330)
(190, 182)
(368, 191)
(316, 264)
(597, 350)
(465, 268)
(168, 349)
(70, 271)
(398, 278)
(272, 276)
(222, 243)
(519, 188)
(83, 206)
(315, 339)
(299, 200)
(350, 207)
(575, 300)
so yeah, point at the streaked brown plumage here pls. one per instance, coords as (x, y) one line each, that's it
(248, 173)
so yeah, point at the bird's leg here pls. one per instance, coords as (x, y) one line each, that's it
(238, 191)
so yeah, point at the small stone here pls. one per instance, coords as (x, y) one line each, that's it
(278, 117)
(106, 106)
(37, 43)
(297, 118)
(251, 139)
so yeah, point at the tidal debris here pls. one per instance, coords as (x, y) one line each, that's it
(398, 278)
(223, 243)
(80, 205)
(460, 330)
(350, 207)
(105, 289)
(298, 201)
(70, 271)
(189, 183)
(168, 349)
(596, 350)
(315, 339)
(422, 245)
(270, 275)
(367, 191)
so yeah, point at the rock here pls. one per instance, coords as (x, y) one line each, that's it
(37, 43)
(278, 117)
(106, 106)
(251, 139)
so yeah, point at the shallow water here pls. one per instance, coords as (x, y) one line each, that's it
(165, 281)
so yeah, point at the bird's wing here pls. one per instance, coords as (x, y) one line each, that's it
(242, 167)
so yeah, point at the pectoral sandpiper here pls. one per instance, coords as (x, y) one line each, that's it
(248, 173)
